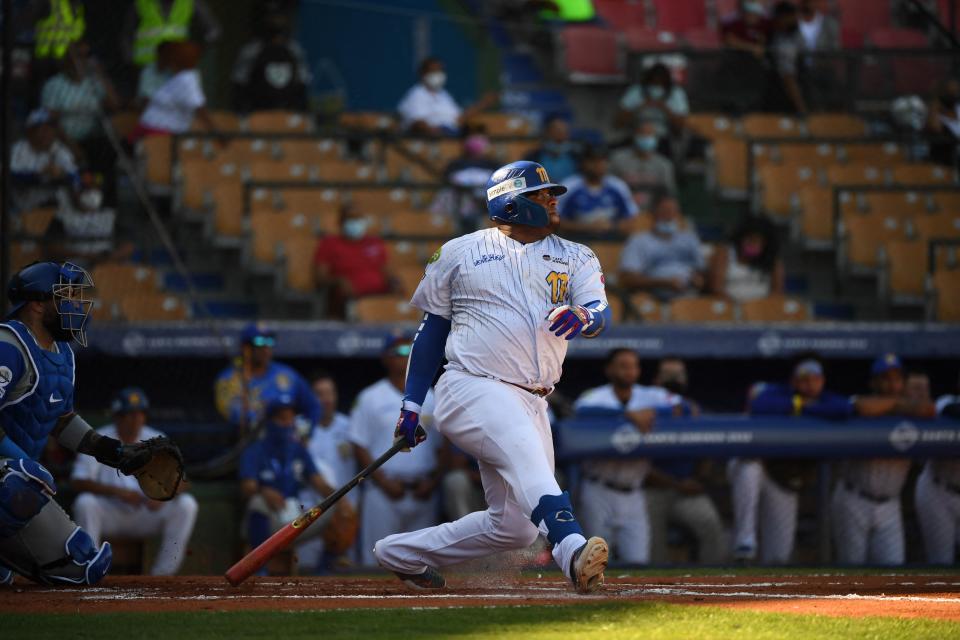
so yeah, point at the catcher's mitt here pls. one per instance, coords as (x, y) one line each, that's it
(156, 464)
(341, 531)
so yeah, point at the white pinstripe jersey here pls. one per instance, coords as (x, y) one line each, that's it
(497, 293)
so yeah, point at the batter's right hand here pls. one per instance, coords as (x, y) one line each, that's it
(409, 428)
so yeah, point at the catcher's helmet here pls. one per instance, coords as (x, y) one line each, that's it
(506, 189)
(130, 399)
(66, 284)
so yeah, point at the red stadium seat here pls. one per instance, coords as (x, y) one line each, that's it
(622, 14)
(863, 16)
(592, 54)
(678, 16)
(647, 39)
(898, 39)
(703, 38)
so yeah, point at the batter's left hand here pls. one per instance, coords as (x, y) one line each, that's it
(569, 320)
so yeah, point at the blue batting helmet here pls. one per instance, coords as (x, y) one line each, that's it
(66, 284)
(506, 189)
(130, 399)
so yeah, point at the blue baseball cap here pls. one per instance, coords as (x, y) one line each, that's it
(130, 399)
(884, 363)
(278, 402)
(258, 335)
(397, 345)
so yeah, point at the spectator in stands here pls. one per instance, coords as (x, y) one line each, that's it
(271, 72)
(612, 501)
(466, 176)
(750, 266)
(666, 261)
(865, 505)
(783, 91)
(275, 470)
(943, 119)
(742, 73)
(596, 202)
(110, 505)
(676, 489)
(351, 264)
(77, 96)
(40, 164)
(150, 22)
(173, 106)
(658, 100)
(84, 229)
(427, 108)
(242, 389)
(400, 495)
(640, 165)
(820, 33)
(557, 153)
(748, 30)
(155, 75)
(769, 490)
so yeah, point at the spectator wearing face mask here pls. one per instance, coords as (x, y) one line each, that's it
(466, 178)
(427, 108)
(666, 261)
(596, 202)
(351, 264)
(658, 100)
(750, 267)
(271, 72)
(641, 167)
(83, 228)
(557, 153)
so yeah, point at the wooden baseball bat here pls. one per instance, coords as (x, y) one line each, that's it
(250, 563)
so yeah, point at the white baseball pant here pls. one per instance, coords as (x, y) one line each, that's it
(381, 516)
(104, 518)
(864, 530)
(755, 495)
(620, 517)
(938, 511)
(697, 513)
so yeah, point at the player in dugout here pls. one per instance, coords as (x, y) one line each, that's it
(38, 540)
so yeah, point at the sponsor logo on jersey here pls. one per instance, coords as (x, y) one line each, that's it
(490, 257)
(513, 184)
(435, 256)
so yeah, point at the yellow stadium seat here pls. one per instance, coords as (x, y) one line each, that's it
(645, 307)
(608, 253)
(278, 122)
(409, 278)
(765, 125)
(245, 152)
(270, 230)
(865, 234)
(816, 215)
(926, 174)
(516, 150)
(366, 121)
(811, 155)
(195, 149)
(905, 269)
(308, 151)
(884, 154)
(113, 281)
(309, 200)
(705, 309)
(200, 176)
(417, 224)
(947, 284)
(280, 172)
(638, 224)
(380, 201)
(780, 186)
(937, 226)
(901, 204)
(298, 252)
(420, 168)
(946, 257)
(503, 124)
(157, 153)
(835, 125)
(404, 253)
(227, 199)
(855, 175)
(730, 165)
(223, 121)
(153, 307)
(775, 309)
(34, 223)
(347, 171)
(447, 150)
(385, 309)
(712, 125)
(948, 201)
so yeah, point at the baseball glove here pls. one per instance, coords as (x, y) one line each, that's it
(341, 531)
(156, 464)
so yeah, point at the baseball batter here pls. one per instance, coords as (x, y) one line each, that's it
(501, 305)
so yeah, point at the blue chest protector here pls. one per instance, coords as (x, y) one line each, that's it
(28, 420)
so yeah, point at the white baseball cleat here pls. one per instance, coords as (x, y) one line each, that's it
(588, 565)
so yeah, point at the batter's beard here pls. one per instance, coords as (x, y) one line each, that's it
(51, 322)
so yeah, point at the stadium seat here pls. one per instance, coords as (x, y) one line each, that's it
(622, 14)
(922, 174)
(400, 166)
(346, 171)
(712, 125)
(447, 150)
(380, 201)
(864, 16)
(227, 199)
(152, 307)
(113, 281)
(24, 252)
(275, 171)
(780, 187)
(278, 122)
(775, 309)
(638, 224)
(946, 284)
(901, 204)
(156, 153)
(323, 202)
(702, 38)
(645, 308)
(516, 150)
(617, 308)
(103, 310)
(855, 174)
(409, 278)
(198, 178)
(816, 216)
(904, 271)
(417, 224)
(34, 223)
(811, 155)
(678, 16)
(608, 253)
(592, 54)
(366, 121)
(503, 124)
(875, 153)
(384, 309)
(270, 230)
(705, 309)
(765, 125)
(730, 165)
(308, 151)
(646, 39)
(942, 226)
(406, 253)
(298, 253)
(190, 149)
(946, 200)
(223, 122)
(897, 38)
(835, 125)
(946, 257)
(864, 235)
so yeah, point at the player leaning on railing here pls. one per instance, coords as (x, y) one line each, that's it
(37, 538)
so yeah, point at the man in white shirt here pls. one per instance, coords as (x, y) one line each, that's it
(429, 109)
(401, 495)
(110, 505)
(40, 164)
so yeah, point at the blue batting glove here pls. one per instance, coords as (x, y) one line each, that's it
(408, 428)
(569, 322)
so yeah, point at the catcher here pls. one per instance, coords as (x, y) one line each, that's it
(38, 540)
(274, 470)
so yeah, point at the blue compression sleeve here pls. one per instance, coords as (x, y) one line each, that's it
(426, 354)
(603, 318)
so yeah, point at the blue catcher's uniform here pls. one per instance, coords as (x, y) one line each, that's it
(781, 400)
(37, 538)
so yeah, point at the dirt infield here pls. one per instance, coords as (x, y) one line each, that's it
(882, 595)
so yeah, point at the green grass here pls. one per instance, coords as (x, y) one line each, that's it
(646, 620)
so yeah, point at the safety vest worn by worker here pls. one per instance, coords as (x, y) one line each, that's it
(155, 28)
(55, 32)
(571, 11)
